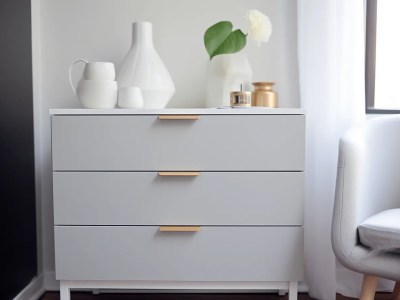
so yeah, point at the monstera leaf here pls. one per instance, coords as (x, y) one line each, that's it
(220, 39)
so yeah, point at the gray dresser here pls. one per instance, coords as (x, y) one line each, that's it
(178, 198)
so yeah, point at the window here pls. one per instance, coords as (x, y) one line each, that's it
(383, 56)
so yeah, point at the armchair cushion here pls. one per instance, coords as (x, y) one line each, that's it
(381, 232)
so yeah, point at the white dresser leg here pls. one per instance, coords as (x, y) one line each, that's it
(293, 290)
(64, 291)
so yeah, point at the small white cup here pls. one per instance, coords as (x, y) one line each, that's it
(130, 97)
(97, 93)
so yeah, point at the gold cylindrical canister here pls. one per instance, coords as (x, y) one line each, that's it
(240, 99)
(264, 95)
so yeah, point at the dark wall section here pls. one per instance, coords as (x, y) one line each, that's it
(17, 186)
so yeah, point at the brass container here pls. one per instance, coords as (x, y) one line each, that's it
(240, 99)
(264, 95)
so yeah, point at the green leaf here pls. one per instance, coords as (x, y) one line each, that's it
(220, 39)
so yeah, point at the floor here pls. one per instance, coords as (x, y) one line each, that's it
(181, 296)
(170, 296)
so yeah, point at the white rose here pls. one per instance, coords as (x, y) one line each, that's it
(260, 27)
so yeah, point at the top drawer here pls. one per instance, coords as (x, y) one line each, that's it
(146, 143)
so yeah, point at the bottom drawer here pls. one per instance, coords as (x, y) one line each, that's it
(211, 254)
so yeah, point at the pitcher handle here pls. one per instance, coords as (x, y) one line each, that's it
(70, 72)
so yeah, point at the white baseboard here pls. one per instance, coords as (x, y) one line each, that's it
(303, 288)
(50, 282)
(33, 290)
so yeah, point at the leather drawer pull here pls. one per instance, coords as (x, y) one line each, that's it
(178, 117)
(179, 228)
(178, 173)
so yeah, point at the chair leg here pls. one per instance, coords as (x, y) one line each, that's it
(368, 287)
(396, 291)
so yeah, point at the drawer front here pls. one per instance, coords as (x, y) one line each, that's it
(146, 143)
(211, 254)
(146, 198)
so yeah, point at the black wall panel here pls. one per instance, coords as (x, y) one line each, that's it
(17, 186)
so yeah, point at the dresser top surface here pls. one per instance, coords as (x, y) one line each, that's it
(180, 111)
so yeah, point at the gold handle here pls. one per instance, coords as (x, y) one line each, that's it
(179, 228)
(178, 173)
(178, 117)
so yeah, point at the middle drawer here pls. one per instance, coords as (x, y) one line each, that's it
(210, 198)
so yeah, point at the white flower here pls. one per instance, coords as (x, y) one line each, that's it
(260, 27)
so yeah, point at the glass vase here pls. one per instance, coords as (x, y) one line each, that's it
(227, 73)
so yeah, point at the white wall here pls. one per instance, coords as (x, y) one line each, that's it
(100, 30)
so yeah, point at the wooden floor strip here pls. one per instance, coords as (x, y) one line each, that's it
(172, 296)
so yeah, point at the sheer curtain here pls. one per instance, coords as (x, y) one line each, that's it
(331, 74)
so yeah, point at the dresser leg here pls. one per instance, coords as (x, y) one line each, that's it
(64, 291)
(293, 290)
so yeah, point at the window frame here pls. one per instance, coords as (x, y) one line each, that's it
(370, 61)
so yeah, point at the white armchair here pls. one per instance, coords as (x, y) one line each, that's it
(368, 183)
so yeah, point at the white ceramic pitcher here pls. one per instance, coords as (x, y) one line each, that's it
(97, 87)
(95, 70)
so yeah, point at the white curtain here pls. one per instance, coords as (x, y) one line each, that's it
(331, 73)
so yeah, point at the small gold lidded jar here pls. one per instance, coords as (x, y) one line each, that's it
(263, 95)
(240, 99)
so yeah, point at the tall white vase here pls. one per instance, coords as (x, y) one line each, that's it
(225, 74)
(143, 68)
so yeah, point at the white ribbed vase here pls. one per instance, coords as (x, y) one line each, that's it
(143, 68)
